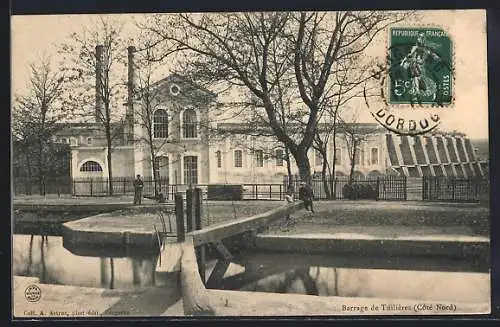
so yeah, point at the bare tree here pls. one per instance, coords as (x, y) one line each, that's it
(150, 97)
(35, 118)
(355, 134)
(96, 55)
(353, 81)
(240, 51)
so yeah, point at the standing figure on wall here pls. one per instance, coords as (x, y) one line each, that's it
(138, 185)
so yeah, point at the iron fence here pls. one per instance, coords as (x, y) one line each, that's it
(385, 188)
(455, 189)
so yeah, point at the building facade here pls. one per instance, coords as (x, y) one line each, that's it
(176, 126)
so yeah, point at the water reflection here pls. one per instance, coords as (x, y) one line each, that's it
(46, 258)
(261, 274)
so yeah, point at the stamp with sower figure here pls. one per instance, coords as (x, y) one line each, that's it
(420, 71)
(418, 75)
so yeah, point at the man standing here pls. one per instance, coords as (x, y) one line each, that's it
(138, 185)
(306, 195)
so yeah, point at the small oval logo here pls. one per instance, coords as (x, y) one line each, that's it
(33, 293)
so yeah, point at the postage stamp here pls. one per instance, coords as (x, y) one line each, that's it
(421, 66)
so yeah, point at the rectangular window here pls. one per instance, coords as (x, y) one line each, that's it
(161, 167)
(218, 155)
(318, 158)
(238, 158)
(338, 156)
(279, 158)
(190, 170)
(374, 156)
(357, 157)
(259, 158)
(89, 140)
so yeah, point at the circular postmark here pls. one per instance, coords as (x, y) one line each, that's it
(415, 82)
(33, 293)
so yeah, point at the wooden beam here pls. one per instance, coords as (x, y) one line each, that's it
(222, 249)
(179, 215)
(217, 274)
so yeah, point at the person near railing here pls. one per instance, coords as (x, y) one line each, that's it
(138, 186)
(306, 195)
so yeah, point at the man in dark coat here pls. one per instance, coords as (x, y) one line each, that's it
(138, 185)
(306, 195)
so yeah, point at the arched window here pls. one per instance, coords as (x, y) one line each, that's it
(160, 124)
(91, 166)
(190, 124)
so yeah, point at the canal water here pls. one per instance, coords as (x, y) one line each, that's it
(290, 273)
(48, 259)
(45, 257)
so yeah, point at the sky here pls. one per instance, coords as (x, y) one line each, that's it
(37, 36)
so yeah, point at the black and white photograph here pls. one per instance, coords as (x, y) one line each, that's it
(234, 164)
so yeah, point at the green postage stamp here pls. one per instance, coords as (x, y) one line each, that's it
(421, 68)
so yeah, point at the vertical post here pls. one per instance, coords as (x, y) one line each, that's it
(281, 192)
(179, 217)
(124, 185)
(189, 210)
(404, 187)
(74, 186)
(201, 250)
(256, 190)
(270, 191)
(91, 187)
(453, 189)
(377, 195)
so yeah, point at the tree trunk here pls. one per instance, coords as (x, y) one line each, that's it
(155, 171)
(30, 174)
(353, 163)
(303, 164)
(288, 167)
(40, 169)
(110, 170)
(333, 185)
(324, 171)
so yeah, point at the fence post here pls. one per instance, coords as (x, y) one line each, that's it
(270, 191)
(256, 190)
(189, 209)
(378, 189)
(405, 188)
(281, 192)
(201, 250)
(179, 217)
(91, 187)
(453, 189)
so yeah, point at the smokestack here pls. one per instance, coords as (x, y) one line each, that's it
(131, 73)
(130, 94)
(98, 80)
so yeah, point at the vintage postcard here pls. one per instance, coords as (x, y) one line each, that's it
(250, 164)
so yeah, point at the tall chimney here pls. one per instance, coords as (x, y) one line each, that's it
(129, 116)
(98, 80)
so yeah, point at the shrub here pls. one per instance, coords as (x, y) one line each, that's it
(356, 191)
(225, 192)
